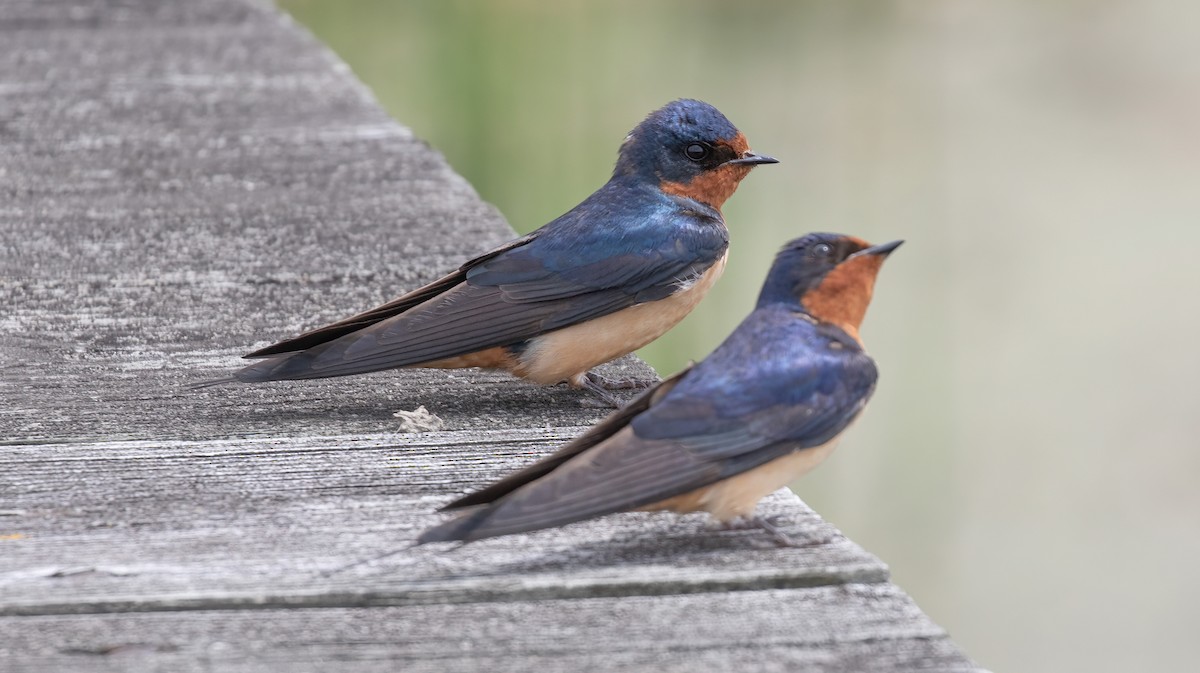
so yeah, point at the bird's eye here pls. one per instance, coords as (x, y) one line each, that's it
(697, 151)
(822, 251)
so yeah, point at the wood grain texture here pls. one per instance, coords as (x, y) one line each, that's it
(182, 182)
(199, 179)
(248, 524)
(856, 627)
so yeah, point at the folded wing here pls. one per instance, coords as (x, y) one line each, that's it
(714, 423)
(530, 287)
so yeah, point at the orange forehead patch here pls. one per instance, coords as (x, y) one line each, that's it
(739, 144)
(842, 296)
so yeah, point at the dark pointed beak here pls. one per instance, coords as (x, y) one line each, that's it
(883, 249)
(751, 158)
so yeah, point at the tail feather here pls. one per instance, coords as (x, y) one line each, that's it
(458, 529)
(286, 367)
(212, 382)
(289, 366)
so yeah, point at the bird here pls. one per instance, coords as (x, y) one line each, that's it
(604, 279)
(764, 408)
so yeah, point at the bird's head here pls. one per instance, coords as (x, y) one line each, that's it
(830, 276)
(689, 149)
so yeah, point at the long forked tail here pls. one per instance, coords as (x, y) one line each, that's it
(288, 366)
(270, 369)
(458, 529)
(212, 382)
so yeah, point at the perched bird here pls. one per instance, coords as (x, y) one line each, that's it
(764, 408)
(606, 278)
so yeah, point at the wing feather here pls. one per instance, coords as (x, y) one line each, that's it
(395, 307)
(529, 287)
(594, 435)
(720, 420)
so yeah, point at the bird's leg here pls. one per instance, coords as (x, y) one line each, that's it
(600, 386)
(782, 539)
(586, 383)
(628, 383)
(770, 525)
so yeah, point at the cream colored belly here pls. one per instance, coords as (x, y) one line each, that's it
(738, 496)
(568, 353)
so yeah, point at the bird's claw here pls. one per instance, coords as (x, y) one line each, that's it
(771, 527)
(626, 383)
(781, 538)
(600, 386)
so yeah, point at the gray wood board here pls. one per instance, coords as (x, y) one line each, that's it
(184, 182)
(255, 523)
(854, 627)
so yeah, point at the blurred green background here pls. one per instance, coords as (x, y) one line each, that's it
(1029, 464)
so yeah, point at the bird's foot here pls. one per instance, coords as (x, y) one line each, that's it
(626, 383)
(772, 526)
(600, 386)
(600, 392)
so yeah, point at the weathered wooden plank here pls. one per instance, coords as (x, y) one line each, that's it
(852, 627)
(142, 393)
(191, 183)
(183, 181)
(241, 524)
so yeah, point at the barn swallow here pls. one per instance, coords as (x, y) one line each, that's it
(763, 409)
(606, 278)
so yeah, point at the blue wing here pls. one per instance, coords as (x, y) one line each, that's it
(774, 387)
(605, 255)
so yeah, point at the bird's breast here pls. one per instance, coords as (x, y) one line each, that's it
(568, 353)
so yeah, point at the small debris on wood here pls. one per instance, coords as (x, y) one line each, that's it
(418, 420)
